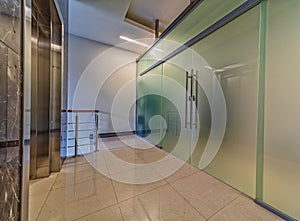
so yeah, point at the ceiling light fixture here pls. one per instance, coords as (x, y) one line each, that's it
(139, 43)
(134, 41)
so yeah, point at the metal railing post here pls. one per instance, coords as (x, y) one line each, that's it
(76, 135)
(77, 130)
(97, 128)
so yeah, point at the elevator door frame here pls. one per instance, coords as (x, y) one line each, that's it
(46, 91)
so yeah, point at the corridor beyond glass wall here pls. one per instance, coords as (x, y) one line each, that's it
(254, 55)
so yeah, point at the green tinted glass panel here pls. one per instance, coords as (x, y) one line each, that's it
(149, 108)
(139, 101)
(207, 13)
(155, 55)
(281, 180)
(232, 53)
(142, 65)
(177, 132)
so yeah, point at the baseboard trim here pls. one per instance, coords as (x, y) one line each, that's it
(8, 144)
(275, 211)
(148, 141)
(116, 134)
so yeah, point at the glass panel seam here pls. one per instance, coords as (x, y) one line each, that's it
(261, 100)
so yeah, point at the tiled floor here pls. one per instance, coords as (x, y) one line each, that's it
(80, 192)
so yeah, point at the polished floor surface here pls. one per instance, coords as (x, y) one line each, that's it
(80, 192)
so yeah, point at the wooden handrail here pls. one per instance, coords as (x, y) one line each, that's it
(83, 111)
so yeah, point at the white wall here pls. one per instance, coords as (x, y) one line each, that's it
(97, 76)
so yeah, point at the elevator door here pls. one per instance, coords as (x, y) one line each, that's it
(45, 90)
(40, 100)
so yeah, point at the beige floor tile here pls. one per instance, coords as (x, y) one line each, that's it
(42, 186)
(123, 152)
(153, 155)
(136, 143)
(125, 191)
(114, 144)
(108, 214)
(205, 193)
(36, 203)
(243, 208)
(38, 192)
(144, 149)
(76, 168)
(123, 141)
(132, 210)
(76, 174)
(184, 171)
(138, 174)
(80, 192)
(118, 165)
(78, 200)
(71, 161)
(143, 146)
(173, 169)
(97, 161)
(134, 158)
(166, 204)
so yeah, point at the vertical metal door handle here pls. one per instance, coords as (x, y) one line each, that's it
(186, 97)
(196, 101)
(191, 99)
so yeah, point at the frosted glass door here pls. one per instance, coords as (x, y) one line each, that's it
(281, 181)
(231, 53)
(176, 107)
(149, 107)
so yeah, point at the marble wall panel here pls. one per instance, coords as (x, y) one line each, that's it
(10, 23)
(3, 91)
(10, 183)
(2, 160)
(13, 95)
(10, 108)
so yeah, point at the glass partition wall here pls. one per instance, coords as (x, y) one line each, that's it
(254, 57)
(232, 53)
(281, 167)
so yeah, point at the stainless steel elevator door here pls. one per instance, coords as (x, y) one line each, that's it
(40, 92)
(43, 100)
(45, 89)
(55, 90)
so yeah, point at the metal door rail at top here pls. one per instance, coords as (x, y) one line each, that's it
(77, 130)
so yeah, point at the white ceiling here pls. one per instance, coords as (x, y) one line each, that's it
(103, 20)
